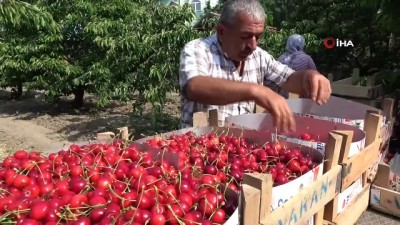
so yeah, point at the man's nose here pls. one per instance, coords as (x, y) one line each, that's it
(252, 43)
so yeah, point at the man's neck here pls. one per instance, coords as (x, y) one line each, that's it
(238, 64)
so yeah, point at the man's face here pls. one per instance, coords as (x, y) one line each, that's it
(241, 39)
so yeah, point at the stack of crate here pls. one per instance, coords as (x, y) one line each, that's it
(371, 94)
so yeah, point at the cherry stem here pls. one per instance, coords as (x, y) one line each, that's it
(176, 217)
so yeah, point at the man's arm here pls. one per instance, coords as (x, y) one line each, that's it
(309, 83)
(294, 83)
(214, 91)
(220, 92)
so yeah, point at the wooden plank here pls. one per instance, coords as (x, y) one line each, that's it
(355, 91)
(330, 77)
(331, 209)
(387, 107)
(250, 208)
(345, 87)
(124, 133)
(328, 223)
(386, 130)
(355, 75)
(260, 109)
(346, 143)
(200, 119)
(355, 209)
(105, 136)
(264, 183)
(360, 163)
(332, 153)
(370, 81)
(293, 95)
(345, 81)
(213, 117)
(370, 102)
(319, 217)
(372, 127)
(307, 202)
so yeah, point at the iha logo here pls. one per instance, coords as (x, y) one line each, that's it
(331, 42)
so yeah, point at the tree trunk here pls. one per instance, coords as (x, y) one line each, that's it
(392, 42)
(19, 90)
(16, 93)
(79, 93)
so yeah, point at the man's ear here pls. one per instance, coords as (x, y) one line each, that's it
(220, 29)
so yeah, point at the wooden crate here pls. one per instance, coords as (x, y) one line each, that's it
(256, 191)
(256, 194)
(356, 169)
(340, 172)
(382, 197)
(345, 87)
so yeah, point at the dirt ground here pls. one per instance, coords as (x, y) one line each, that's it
(34, 124)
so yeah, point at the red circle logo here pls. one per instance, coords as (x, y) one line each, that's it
(329, 42)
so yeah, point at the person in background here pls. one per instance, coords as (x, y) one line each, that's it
(295, 58)
(226, 71)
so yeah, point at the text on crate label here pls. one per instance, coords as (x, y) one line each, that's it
(397, 202)
(317, 145)
(376, 199)
(298, 210)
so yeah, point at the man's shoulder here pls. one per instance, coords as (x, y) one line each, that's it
(201, 43)
(263, 54)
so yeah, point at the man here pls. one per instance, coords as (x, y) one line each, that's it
(226, 71)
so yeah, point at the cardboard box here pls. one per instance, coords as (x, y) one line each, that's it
(337, 110)
(382, 197)
(346, 197)
(315, 127)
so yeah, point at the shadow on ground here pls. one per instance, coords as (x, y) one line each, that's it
(139, 127)
(84, 123)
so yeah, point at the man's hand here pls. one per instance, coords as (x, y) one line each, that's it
(277, 106)
(316, 86)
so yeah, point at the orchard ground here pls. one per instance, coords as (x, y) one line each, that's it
(34, 124)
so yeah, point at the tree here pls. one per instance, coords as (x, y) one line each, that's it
(387, 12)
(27, 33)
(113, 49)
(143, 44)
(345, 20)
